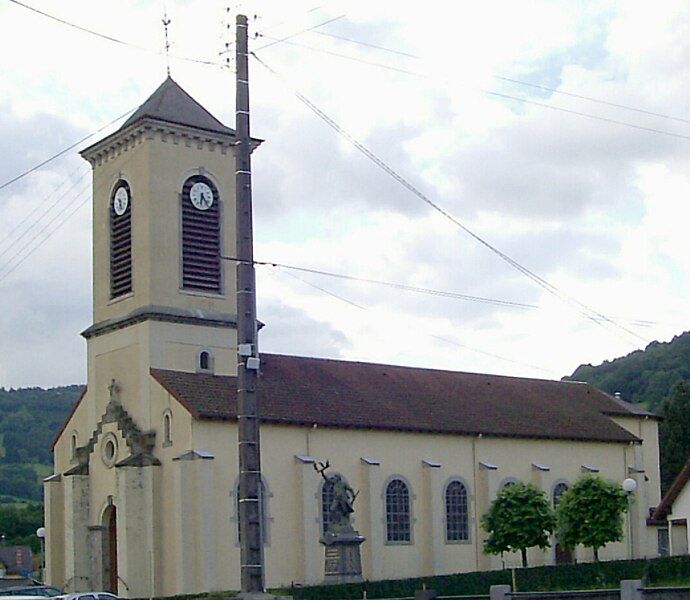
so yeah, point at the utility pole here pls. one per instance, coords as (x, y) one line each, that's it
(251, 543)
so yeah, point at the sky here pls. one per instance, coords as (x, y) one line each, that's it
(554, 136)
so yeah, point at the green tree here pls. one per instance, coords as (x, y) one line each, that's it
(19, 524)
(674, 433)
(520, 517)
(591, 513)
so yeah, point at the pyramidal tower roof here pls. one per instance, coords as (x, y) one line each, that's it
(170, 103)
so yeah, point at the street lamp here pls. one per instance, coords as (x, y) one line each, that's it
(629, 486)
(41, 534)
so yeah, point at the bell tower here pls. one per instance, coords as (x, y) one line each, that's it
(163, 214)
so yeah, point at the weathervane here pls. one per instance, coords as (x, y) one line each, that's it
(166, 22)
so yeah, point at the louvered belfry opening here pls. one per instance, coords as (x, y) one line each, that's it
(120, 245)
(201, 263)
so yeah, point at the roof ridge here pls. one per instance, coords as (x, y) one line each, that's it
(394, 366)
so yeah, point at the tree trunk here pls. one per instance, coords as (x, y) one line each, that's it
(524, 557)
(596, 554)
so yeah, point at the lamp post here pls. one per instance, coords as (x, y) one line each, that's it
(41, 534)
(629, 486)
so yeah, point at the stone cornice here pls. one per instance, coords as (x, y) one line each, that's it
(151, 129)
(165, 314)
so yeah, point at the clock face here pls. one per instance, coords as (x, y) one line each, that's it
(121, 201)
(201, 196)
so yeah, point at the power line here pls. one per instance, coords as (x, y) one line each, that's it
(588, 115)
(36, 222)
(406, 287)
(333, 53)
(109, 37)
(488, 92)
(64, 150)
(67, 218)
(324, 290)
(399, 286)
(585, 310)
(3, 269)
(368, 45)
(79, 27)
(13, 267)
(518, 81)
(437, 337)
(8, 237)
(287, 37)
(592, 99)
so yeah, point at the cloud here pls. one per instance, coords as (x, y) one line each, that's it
(39, 341)
(288, 328)
(34, 138)
(583, 203)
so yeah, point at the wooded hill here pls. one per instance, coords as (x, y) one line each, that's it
(643, 377)
(29, 420)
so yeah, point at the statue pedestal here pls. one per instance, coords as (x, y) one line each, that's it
(343, 562)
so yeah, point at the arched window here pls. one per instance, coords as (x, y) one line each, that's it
(73, 447)
(457, 513)
(201, 235)
(558, 490)
(262, 508)
(507, 483)
(120, 240)
(167, 429)
(326, 501)
(398, 521)
(204, 361)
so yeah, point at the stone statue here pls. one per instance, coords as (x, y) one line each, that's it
(113, 389)
(342, 505)
(343, 562)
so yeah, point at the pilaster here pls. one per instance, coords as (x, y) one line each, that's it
(487, 488)
(53, 491)
(135, 532)
(205, 512)
(77, 565)
(312, 552)
(97, 547)
(184, 491)
(434, 492)
(372, 560)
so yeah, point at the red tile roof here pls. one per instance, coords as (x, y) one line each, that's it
(334, 393)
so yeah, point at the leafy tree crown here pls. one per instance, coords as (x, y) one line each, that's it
(591, 513)
(520, 517)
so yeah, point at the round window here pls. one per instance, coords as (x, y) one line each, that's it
(109, 450)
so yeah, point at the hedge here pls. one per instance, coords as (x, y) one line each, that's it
(599, 575)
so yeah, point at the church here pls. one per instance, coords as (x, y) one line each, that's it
(143, 499)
